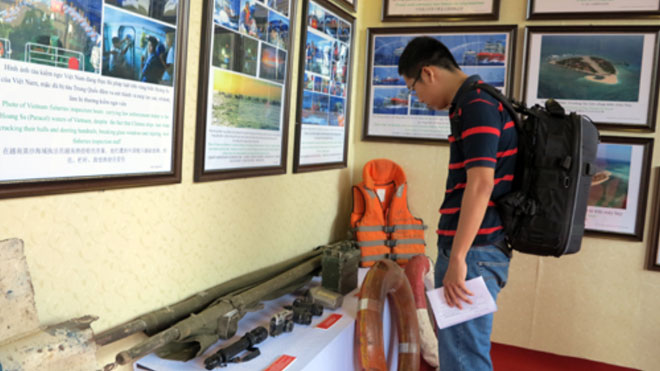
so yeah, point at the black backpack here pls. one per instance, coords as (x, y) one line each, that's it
(544, 213)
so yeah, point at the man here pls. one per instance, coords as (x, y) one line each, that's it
(167, 59)
(153, 68)
(481, 165)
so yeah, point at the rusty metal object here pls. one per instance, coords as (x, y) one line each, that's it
(160, 319)
(329, 299)
(18, 313)
(192, 336)
(66, 346)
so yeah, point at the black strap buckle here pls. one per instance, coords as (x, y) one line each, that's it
(505, 246)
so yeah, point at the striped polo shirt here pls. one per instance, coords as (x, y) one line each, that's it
(488, 138)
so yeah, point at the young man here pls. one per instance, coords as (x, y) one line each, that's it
(481, 165)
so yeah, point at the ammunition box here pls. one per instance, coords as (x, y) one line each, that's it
(340, 268)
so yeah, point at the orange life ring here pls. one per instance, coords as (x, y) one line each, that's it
(386, 278)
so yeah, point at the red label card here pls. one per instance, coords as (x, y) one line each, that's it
(281, 363)
(328, 322)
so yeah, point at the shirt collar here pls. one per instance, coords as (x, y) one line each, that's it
(463, 89)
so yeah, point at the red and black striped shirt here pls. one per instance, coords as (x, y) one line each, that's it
(486, 137)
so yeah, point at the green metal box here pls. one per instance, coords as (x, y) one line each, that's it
(339, 267)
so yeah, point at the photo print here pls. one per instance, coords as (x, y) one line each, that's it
(388, 76)
(162, 10)
(137, 48)
(318, 52)
(315, 108)
(253, 19)
(609, 186)
(618, 193)
(234, 52)
(242, 126)
(337, 89)
(326, 60)
(391, 101)
(278, 30)
(344, 31)
(322, 112)
(273, 63)
(591, 67)
(315, 17)
(244, 102)
(607, 73)
(226, 13)
(73, 78)
(64, 34)
(337, 111)
(280, 6)
(483, 51)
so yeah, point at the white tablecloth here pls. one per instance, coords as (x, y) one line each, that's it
(315, 349)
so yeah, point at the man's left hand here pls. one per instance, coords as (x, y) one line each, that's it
(454, 283)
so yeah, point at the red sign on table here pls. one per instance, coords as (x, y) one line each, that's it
(281, 363)
(328, 322)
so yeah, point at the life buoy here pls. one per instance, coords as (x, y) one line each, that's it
(386, 279)
(419, 271)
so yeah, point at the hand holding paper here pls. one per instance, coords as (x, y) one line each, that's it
(446, 316)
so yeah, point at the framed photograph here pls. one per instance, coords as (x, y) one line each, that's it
(324, 93)
(91, 94)
(393, 115)
(654, 247)
(440, 10)
(609, 73)
(349, 4)
(580, 9)
(244, 88)
(617, 199)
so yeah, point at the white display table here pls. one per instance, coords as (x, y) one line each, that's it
(313, 348)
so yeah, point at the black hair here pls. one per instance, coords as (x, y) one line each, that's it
(425, 51)
(153, 40)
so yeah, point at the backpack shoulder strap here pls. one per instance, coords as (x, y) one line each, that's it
(511, 105)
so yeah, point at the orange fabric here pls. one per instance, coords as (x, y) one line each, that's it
(383, 178)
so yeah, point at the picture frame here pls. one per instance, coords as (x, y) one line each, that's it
(440, 10)
(556, 9)
(96, 101)
(324, 87)
(349, 4)
(244, 88)
(653, 259)
(391, 115)
(619, 189)
(609, 73)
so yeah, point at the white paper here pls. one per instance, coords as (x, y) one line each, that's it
(446, 316)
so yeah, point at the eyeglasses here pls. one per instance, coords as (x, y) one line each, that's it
(411, 89)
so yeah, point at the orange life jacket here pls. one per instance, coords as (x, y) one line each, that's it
(381, 221)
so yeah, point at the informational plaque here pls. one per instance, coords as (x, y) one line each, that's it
(392, 112)
(540, 9)
(402, 10)
(605, 72)
(243, 88)
(90, 94)
(324, 88)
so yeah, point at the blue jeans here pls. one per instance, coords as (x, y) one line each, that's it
(466, 346)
